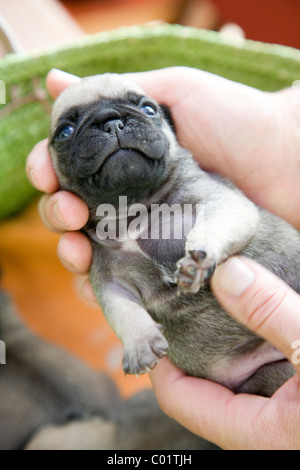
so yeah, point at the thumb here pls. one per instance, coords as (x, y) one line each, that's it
(262, 302)
(58, 80)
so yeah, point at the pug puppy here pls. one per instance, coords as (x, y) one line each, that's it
(115, 147)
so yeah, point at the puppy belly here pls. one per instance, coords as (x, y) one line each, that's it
(236, 374)
(242, 361)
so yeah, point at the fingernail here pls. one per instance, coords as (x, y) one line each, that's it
(87, 292)
(233, 277)
(64, 261)
(58, 71)
(61, 74)
(33, 180)
(58, 217)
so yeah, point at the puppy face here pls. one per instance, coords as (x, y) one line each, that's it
(108, 138)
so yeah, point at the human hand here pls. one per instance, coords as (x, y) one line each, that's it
(237, 131)
(258, 150)
(266, 305)
(246, 135)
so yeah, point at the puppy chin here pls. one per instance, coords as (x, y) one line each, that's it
(127, 171)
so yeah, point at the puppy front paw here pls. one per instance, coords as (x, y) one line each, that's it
(193, 271)
(142, 354)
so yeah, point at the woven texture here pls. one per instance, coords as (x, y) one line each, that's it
(25, 121)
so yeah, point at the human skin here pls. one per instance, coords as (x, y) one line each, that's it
(253, 138)
(269, 307)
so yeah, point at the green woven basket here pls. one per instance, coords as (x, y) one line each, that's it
(24, 120)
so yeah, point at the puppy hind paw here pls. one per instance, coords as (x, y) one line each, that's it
(193, 271)
(207, 265)
(187, 276)
(198, 255)
(142, 356)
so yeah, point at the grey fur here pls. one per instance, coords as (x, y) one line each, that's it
(51, 400)
(135, 281)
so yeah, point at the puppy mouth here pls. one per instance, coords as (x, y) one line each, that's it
(120, 155)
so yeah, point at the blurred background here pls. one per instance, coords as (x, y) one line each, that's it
(39, 23)
(41, 288)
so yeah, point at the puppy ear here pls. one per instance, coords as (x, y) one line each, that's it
(168, 116)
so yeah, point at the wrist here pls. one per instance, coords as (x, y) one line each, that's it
(288, 111)
(282, 192)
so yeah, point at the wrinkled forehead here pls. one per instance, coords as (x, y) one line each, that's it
(90, 90)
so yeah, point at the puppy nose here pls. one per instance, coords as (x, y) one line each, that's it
(113, 125)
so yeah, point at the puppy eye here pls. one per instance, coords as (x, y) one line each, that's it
(65, 133)
(149, 110)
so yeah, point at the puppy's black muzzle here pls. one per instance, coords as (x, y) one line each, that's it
(115, 147)
(124, 127)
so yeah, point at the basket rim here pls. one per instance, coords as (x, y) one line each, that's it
(145, 31)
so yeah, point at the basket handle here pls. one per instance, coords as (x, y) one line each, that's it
(8, 38)
(12, 45)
